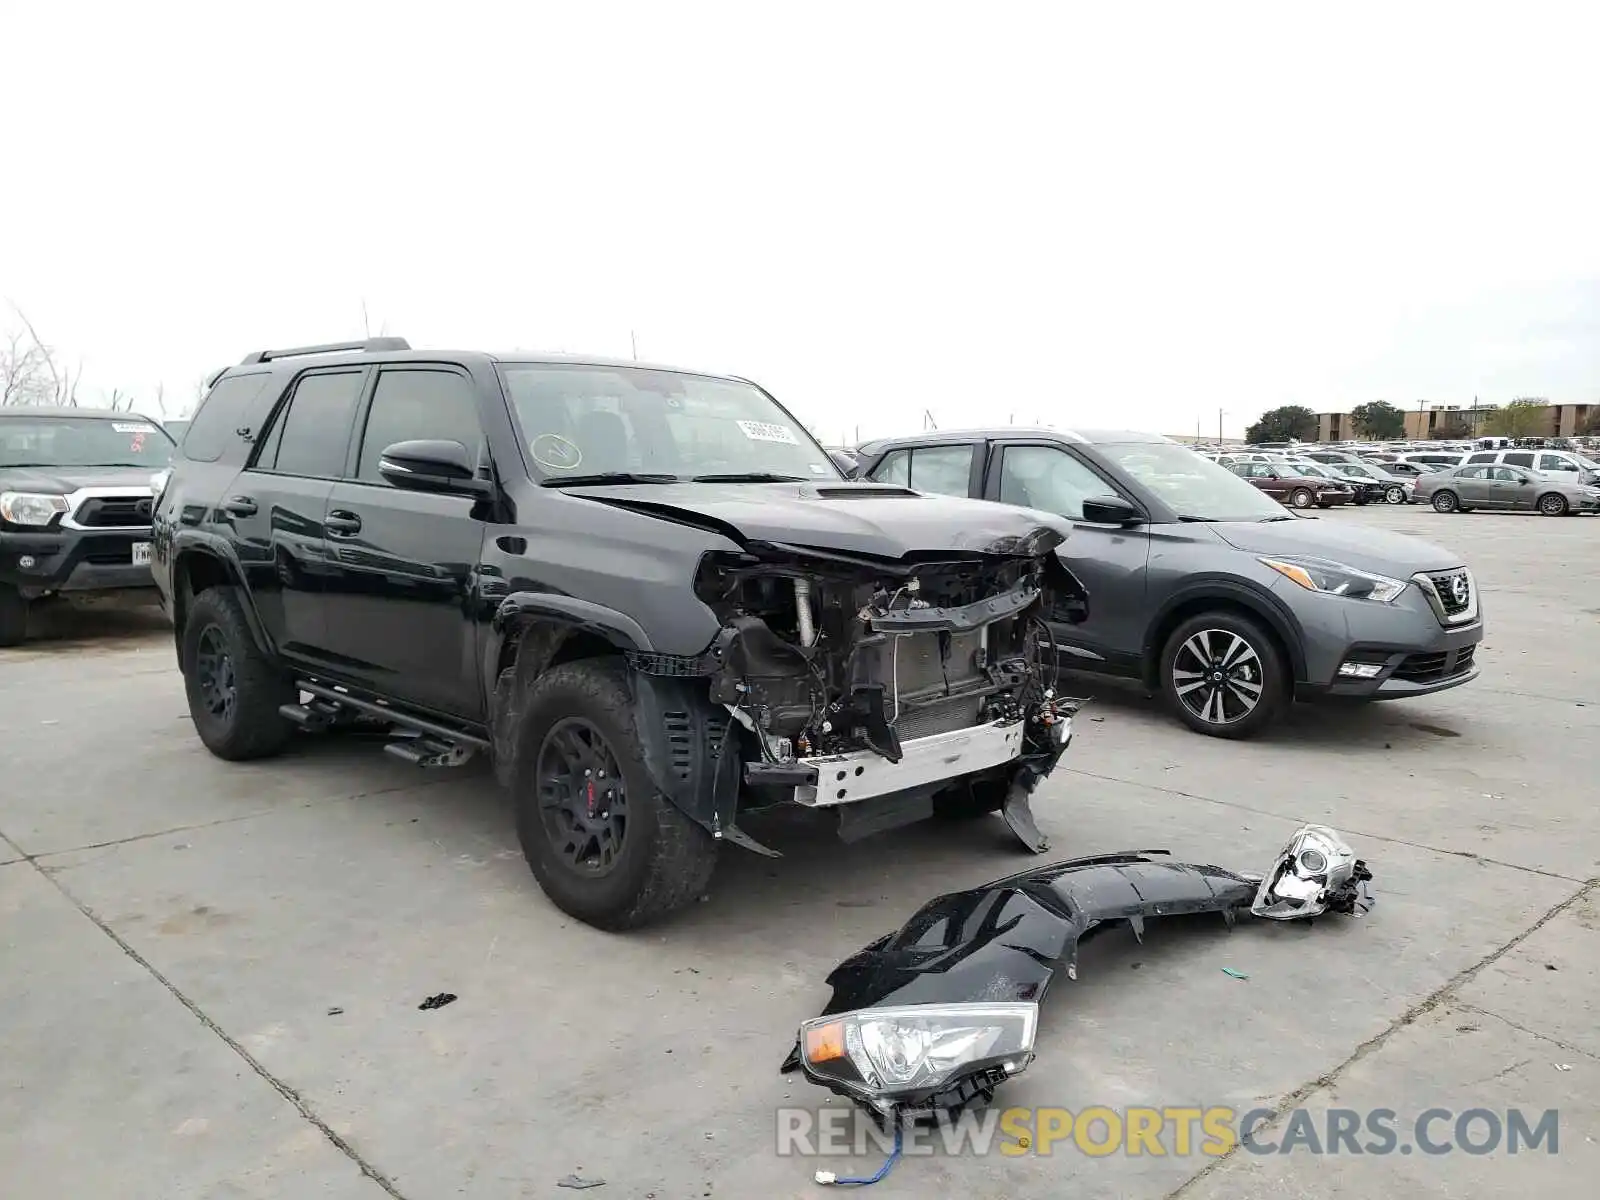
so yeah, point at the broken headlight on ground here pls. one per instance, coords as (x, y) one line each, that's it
(891, 1057)
(1314, 873)
(997, 948)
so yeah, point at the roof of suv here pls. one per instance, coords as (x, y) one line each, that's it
(399, 350)
(936, 437)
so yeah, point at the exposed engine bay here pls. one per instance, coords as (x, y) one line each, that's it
(857, 679)
(936, 1015)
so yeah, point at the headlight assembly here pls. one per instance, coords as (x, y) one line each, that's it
(1336, 579)
(887, 1057)
(30, 508)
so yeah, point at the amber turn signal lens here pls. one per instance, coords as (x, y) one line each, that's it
(825, 1042)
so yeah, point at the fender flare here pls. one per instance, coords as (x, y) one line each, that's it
(1230, 589)
(618, 628)
(187, 542)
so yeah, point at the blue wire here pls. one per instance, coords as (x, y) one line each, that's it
(888, 1165)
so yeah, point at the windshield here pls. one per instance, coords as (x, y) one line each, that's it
(581, 421)
(52, 441)
(1192, 486)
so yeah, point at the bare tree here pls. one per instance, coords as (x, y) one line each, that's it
(44, 379)
(23, 375)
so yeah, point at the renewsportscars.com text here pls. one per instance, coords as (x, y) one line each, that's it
(1177, 1132)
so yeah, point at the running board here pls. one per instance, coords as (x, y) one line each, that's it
(428, 752)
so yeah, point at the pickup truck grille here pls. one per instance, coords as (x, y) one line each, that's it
(114, 512)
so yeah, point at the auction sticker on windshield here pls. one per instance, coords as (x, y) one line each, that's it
(766, 431)
(121, 428)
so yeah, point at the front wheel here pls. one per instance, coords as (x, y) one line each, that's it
(1302, 498)
(1445, 502)
(234, 689)
(1553, 505)
(605, 845)
(1395, 495)
(1223, 675)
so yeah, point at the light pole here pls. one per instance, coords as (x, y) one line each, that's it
(1220, 415)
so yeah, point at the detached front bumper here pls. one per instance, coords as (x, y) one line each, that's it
(37, 564)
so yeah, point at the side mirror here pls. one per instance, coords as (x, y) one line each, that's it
(1273, 475)
(1111, 510)
(431, 466)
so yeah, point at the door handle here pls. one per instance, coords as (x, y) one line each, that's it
(240, 506)
(340, 523)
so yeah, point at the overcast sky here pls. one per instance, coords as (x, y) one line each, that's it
(1100, 214)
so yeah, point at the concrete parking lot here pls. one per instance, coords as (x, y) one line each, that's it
(210, 974)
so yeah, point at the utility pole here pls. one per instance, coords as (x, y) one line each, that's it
(633, 340)
(1220, 415)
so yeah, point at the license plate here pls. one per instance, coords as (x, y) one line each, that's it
(141, 554)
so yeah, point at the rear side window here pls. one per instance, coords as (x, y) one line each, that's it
(418, 404)
(223, 412)
(312, 431)
(1482, 458)
(1518, 460)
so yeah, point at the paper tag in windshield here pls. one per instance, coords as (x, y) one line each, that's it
(121, 428)
(765, 431)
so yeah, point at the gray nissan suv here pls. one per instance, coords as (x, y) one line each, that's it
(1205, 588)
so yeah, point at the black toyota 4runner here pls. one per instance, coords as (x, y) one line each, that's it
(648, 595)
(76, 488)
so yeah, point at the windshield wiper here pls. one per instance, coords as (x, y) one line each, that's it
(1192, 517)
(1279, 517)
(604, 477)
(749, 477)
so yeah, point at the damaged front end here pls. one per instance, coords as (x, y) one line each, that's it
(867, 686)
(936, 1015)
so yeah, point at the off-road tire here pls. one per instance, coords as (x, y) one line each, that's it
(13, 616)
(1446, 502)
(1302, 498)
(1552, 504)
(666, 859)
(1275, 693)
(254, 729)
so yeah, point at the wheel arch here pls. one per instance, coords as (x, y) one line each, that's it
(1226, 595)
(201, 561)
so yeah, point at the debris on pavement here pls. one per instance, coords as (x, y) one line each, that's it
(936, 1015)
(335, 1011)
(572, 1181)
(438, 1001)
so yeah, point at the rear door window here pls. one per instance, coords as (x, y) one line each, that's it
(1518, 460)
(311, 434)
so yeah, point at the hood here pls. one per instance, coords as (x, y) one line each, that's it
(1366, 548)
(853, 518)
(69, 479)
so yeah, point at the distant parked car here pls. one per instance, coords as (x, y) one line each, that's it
(1287, 486)
(1409, 469)
(1391, 488)
(1488, 485)
(1576, 467)
(1363, 490)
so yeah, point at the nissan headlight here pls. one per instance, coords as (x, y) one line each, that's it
(1336, 579)
(890, 1056)
(30, 508)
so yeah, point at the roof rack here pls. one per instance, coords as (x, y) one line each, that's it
(369, 345)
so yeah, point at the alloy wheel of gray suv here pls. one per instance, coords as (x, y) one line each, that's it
(1222, 674)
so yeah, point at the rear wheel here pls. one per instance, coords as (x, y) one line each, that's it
(1553, 504)
(1302, 498)
(234, 689)
(605, 845)
(1446, 502)
(13, 616)
(1223, 675)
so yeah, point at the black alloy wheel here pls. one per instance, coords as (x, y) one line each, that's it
(214, 674)
(583, 801)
